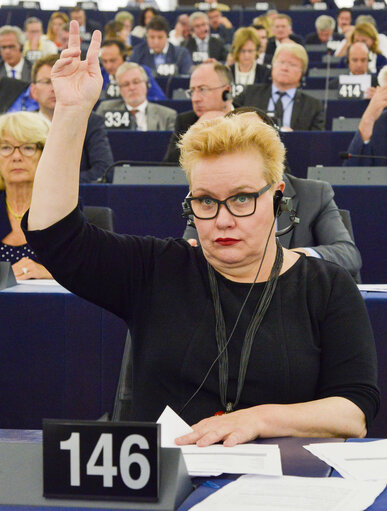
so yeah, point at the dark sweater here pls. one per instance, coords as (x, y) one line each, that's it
(315, 340)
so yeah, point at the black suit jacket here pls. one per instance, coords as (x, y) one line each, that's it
(314, 39)
(25, 74)
(10, 90)
(183, 122)
(216, 49)
(271, 47)
(307, 112)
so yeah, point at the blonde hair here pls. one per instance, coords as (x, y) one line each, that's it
(55, 15)
(241, 37)
(234, 134)
(24, 127)
(266, 22)
(367, 30)
(296, 50)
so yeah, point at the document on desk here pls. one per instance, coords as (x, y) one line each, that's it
(217, 459)
(355, 460)
(290, 493)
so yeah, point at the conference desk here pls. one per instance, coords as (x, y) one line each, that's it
(303, 148)
(61, 356)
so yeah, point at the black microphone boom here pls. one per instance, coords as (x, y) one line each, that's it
(346, 156)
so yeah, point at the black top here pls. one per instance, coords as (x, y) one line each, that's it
(315, 340)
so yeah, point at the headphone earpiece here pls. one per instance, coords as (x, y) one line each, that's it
(277, 199)
(226, 95)
(187, 210)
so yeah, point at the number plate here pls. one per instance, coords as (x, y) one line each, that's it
(101, 460)
(117, 120)
(350, 91)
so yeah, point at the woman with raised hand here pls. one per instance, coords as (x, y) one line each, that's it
(279, 341)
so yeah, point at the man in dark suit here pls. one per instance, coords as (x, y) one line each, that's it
(158, 54)
(321, 232)
(292, 108)
(325, 31)
(282, 33)
(86, 27)
(220, 26)
(96, 154)
(201, 45)
(13, 64)
(371, 137)
(210, 91)
(357, 65)
(132, 110)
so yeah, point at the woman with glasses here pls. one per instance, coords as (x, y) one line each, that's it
(22, 138)
(278, 340)
(244, 52)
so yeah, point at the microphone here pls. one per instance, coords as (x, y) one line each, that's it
(346, 156)
(104, 178)
(326, 88)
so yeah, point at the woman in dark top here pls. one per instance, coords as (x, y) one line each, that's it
(22, 138)
(244, 52)
(294, 344)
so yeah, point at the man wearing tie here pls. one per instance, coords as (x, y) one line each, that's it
(292, 108)
(13, 65)
(132, 110)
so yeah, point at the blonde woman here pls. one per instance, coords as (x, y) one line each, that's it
(57, 20)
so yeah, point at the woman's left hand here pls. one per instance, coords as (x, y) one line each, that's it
(231, 428)
(26, 269)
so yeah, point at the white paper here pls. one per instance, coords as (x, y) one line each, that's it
(363, 80)
(292, 494)
(362, 461)
(172, 426)
(382, 288)
(240, 459)
(38, 282)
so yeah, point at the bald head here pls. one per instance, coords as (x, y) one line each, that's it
(358, 58)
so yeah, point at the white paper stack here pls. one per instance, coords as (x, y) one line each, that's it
(363, 461)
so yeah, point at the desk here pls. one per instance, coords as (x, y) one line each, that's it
(60, 356)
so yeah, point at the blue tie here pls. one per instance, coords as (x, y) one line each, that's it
(13, 72)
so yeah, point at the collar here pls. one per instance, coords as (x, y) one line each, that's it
(290, 92)
(18, 66)
(140, 108)
(201, 41)
(164, 52)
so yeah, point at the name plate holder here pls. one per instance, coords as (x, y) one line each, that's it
(110, 461)
(7, 277)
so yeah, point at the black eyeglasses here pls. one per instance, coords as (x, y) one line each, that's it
(240, 204)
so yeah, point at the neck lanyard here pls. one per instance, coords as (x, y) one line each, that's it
(255, 322)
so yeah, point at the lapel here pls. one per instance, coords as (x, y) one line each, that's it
(264, 97)
(283, 220)
(151, 118)
(296, 110)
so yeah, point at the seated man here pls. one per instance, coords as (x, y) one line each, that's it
(36, 46)
(86, 26)
(201, 45)
(132, 110)
(158, 54)
(357, 66)
(13, 64)
(210, 91)
(113, 54)
(292, 108)
(181, 32)
(96, 154)
(344, 20)
(370, 139)
(325, 31)
(220, 25)
(282, 33)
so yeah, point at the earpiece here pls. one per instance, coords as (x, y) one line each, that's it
(226, 95)
(277, 199)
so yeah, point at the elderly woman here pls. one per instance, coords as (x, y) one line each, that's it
(291, 334)
(245, 51)
(22, 138)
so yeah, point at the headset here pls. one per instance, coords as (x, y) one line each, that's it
(226, 95)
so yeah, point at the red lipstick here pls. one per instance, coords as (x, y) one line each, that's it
(225, 242)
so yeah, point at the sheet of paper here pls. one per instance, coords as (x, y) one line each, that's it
(38, 282)
(240, 459)
(382, 288)
(172, 426)
(365, 461)
(292, 493)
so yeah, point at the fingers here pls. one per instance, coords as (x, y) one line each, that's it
(192, 242)
(74, 37)
(94, 47)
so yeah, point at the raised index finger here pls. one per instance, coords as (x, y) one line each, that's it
(74, 38)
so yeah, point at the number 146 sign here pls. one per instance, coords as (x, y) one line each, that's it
(101, 460)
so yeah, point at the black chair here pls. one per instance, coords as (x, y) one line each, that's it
(99, 216)
(123, 398)
(346, 218)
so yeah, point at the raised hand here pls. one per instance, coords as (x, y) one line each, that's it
(76, 82)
